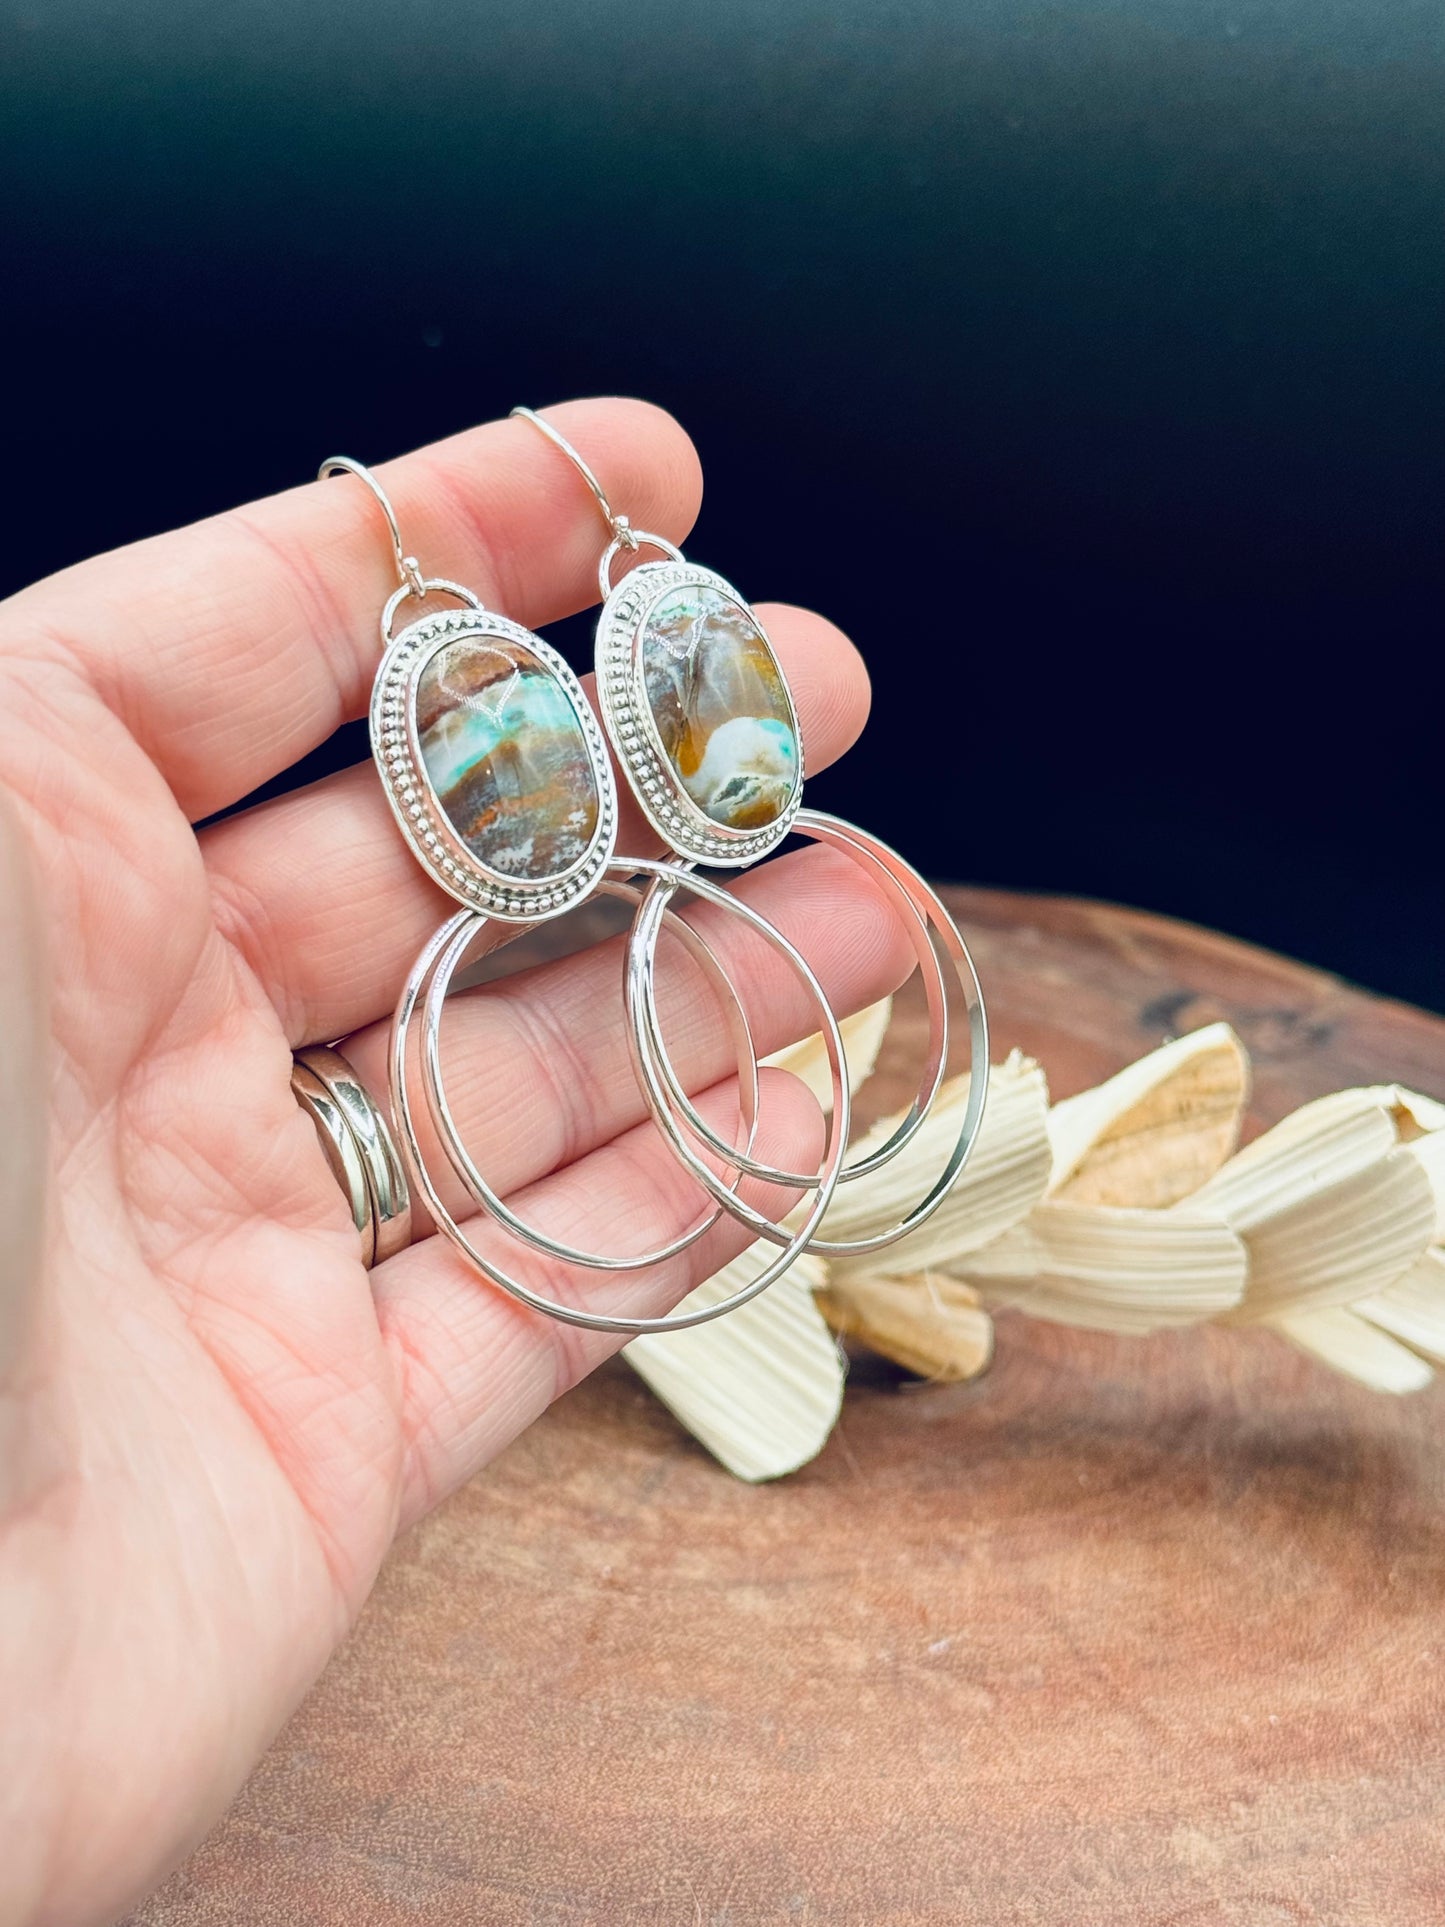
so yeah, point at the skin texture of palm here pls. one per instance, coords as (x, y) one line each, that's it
(213, 1421)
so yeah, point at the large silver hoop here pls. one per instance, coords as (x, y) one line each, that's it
(438, 982)
(935, 986)
(650, 1059)
(669, 879)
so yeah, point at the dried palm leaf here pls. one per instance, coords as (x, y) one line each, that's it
(1154, 1133)
(1413, 1308)
(1111, 1267)
(929, 1324)
(1330, 1206)
(1126, 1209)
(1348, 1343)
(760, 1388)
(862, 1035)
(1002, 1181)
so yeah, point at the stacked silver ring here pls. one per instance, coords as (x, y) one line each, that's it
(356, 1142)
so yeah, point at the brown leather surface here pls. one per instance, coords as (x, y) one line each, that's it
(1127, 1631)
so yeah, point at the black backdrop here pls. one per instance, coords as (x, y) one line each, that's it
(1083, 360)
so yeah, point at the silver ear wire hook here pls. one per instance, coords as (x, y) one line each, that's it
(619, 527)
(410, 580)
(408, 569)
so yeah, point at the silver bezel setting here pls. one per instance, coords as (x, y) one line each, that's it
(627, 717)
(415, 804)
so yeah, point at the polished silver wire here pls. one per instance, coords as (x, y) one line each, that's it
(624, 536)
(410, 580)
(407, 567)
(671, 879)
(618, 525)
(649, 1049)
(465, 1166)
(935, 986)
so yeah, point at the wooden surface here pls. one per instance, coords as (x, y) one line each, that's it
(1127, 1631)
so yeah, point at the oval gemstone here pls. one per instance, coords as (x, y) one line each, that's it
(721, 707)
(505, 752)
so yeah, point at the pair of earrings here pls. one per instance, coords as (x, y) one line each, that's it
(499, 776)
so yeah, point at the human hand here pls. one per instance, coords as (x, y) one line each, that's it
(213, 1421)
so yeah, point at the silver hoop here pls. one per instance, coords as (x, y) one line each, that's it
(935, 991)
(448, 961)
(631, 539)
(423, 587)
(672, 879)
(648, 1060)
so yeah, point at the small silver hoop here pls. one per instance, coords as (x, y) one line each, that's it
(427, 586)
(631, 539)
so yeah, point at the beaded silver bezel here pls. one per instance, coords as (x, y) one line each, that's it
(628, 719)
(415, 804)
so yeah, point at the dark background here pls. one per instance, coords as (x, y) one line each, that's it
(1084, 361)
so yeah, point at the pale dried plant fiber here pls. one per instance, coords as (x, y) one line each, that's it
(1152, 1134)
(1002, 1181)
(1113, 1268)
(1349, 1344)
(1413, 1308)
(1128, 1208)
(930, 1324)
(761, 1387)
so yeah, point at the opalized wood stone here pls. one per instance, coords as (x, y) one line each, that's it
(721, 707)
(505, 753)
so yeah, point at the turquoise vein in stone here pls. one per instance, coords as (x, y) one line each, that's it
(721, 707)
(505, 752)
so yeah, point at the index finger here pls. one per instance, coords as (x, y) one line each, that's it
(233, 647)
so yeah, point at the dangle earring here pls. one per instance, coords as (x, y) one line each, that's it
(698, 712)
(497, 774)
(488, 751)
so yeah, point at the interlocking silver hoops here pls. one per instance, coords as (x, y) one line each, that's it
(498, 776)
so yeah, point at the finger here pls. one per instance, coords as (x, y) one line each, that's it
(24, 1099)
(233, 647)
(538, 1067)
(322, 897)
(475, 1368)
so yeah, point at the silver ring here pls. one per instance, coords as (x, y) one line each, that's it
(359, 1148)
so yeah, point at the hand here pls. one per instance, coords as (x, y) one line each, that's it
(213, 1421)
